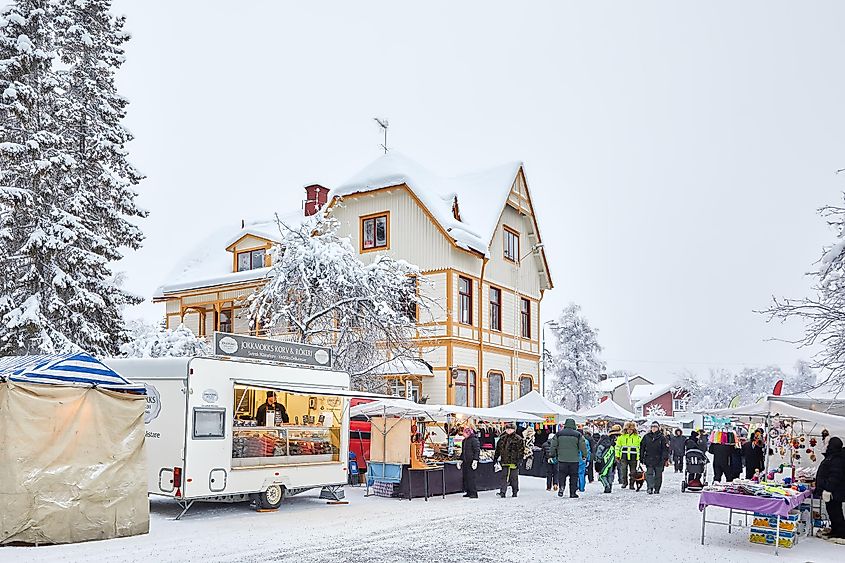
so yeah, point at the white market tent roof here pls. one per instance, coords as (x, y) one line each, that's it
(607, 409)
(834, 423)
(409, 409)
(64, 369)
(827, 397)
(535, 403)
(497, 413)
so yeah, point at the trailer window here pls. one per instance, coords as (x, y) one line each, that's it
(209, 423)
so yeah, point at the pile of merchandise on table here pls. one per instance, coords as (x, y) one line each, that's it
(764, 527)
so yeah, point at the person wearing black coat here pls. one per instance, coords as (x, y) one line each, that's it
(470, 454)
(678, 446)
(692, 442)
(551, 464)
(735, 463)
(654, 453)
(721, 461)
(830, 479)
(754, 454)
(593, 439)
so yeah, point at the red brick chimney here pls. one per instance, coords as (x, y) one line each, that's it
(315, 198)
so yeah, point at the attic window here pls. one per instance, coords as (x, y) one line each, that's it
(511, 244)
(251, 260)
(375, 232)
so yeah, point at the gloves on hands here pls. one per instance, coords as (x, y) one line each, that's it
(552, 460)
(459, 464)
(474, 464)
(826, 496)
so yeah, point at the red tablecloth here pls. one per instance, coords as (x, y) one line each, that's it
(774, 506)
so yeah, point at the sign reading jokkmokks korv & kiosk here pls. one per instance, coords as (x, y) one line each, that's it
(253, 348)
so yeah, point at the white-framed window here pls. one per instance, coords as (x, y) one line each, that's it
(679, 405)
(511, 244)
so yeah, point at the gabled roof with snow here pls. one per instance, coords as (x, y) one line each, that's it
(479, 197)
(611, 384)
(642, 394)
(208, 264)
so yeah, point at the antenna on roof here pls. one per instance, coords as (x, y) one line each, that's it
(383, 123)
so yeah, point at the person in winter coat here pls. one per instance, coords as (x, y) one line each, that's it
(721, 461)
(754, 454)
(470, 453)
(510, 450)
(551, 464)
(704, 441)
(605, 456)
(678, 445)
(692, 442)
(628, 454)
(583, 465)
(735, 462)
(830, 479)
(654, 452)
(569, 447)
(592, 440)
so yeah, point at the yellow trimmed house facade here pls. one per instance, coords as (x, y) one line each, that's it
(476, 240)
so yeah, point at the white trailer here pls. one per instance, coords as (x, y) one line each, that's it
(203, 442)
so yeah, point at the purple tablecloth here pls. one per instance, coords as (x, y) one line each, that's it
(774, 506)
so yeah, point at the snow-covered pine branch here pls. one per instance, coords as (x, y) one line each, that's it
(66, 189)
(576, 364)
(147, 340)
(319, 292)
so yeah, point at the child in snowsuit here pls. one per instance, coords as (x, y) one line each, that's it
(582, 468)
(605, 457)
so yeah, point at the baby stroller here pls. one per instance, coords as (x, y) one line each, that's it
(695, 473)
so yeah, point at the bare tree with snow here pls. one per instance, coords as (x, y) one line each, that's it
(576, 364)
(823, 313)
(319, 292)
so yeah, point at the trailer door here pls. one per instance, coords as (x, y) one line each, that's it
(208, 456)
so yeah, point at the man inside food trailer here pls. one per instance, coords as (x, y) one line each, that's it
(270, 404)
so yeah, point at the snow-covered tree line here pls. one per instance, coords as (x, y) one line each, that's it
(823, 313)
(721, 386)
(147, 340)
(575, 366)
(67, 197)
(319, 292)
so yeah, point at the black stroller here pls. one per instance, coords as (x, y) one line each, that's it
(695, 473)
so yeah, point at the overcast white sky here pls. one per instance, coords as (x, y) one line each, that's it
(676, 151)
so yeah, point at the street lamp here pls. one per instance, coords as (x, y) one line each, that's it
(554, 326)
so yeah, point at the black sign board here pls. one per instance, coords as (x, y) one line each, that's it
(253, 348)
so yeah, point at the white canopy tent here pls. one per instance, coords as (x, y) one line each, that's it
(827, 397)
(534, 403)
(495, 414)
(835, 424)
(408, 409)
(607, 409)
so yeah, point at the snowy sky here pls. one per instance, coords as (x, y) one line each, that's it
(676, 151)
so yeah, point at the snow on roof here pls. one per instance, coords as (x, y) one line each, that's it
(410, 366)
(208, 264)
(534, 403)
(610, 384)
(642, 394)
(607, 409)
(480, 196)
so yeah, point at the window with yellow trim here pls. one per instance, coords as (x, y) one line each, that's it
(525, 385)
(511, 244)
(374, 232)
(251, 259)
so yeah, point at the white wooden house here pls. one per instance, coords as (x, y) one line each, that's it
(474, 237)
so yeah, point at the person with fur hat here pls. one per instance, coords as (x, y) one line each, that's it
(510, 450)
(628, 454)
(605, 457)
(654, 452)
(569, 447)
(830, 480)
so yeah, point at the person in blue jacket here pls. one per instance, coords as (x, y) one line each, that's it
(582, 468)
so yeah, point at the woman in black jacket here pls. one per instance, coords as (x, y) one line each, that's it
(830, 479)
(754, 454)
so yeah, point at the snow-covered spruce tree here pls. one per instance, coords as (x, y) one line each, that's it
(66, 186)
(147, 340)
(576, 365)
(319, 292)
(823, 313)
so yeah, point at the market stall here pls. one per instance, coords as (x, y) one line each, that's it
(411, 440)
(72, 462)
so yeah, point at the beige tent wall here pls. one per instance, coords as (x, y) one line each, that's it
(72, 464)
(398, 446)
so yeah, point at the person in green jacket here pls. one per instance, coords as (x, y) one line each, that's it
(628, 454)
(569, 447)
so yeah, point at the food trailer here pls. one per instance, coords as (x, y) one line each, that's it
(204, 441)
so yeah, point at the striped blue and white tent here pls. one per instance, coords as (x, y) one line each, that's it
(64, 369)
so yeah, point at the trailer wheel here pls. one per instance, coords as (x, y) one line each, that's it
(271, 498)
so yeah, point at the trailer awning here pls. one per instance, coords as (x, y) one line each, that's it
(310, 389)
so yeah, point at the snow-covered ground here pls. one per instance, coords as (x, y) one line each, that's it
(536, 526)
